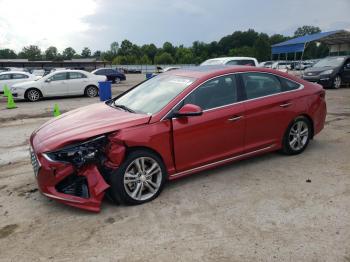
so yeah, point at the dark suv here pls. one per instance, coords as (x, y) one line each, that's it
(332, 71)
(112, 74)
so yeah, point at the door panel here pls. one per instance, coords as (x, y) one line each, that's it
(218, 133)
(76, 83)
(212, 136)
(269, 108)
(57, 85)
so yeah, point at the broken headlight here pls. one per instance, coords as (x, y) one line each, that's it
(80, 154)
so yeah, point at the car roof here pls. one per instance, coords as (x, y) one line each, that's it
(209, 71)
(15, 72)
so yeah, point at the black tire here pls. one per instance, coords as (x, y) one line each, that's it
(288, 147)
(118, 191)
(337, 82)
(91, 91)
(117, 80)
(33, 95)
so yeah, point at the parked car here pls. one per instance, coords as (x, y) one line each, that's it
(282, 65)
(330, 72)
(175, 124)
(266, 64)
(61, 83)
(39, 72)
(10, 78)
(249, 61)
(112, 74)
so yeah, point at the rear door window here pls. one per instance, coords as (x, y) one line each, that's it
(260, 85)
(5, 76)
(19, 76)
(76, 75)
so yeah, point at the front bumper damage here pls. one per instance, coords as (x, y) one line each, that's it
(83, 186)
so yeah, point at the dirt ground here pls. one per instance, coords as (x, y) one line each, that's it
(269, 208)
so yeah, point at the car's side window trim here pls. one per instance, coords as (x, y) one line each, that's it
(240, 86)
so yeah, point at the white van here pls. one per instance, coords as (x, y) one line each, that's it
(235, 60)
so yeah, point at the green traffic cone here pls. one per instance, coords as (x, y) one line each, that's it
(10, 102)
(56, 111)
(6, 90)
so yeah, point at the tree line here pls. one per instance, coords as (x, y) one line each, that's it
(239, 43)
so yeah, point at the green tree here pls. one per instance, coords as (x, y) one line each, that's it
(169, 48)
(184, 55)
(31, 52)
(262, 47)
(68, 53)
(7, 54)
(306, 30)
(144, 60)
(163, 58)
(242, 51)
(125, 48)
(51, 53)
(97, 54)
(278, 38)
(86, 52)
(150, 50)
(114, 48)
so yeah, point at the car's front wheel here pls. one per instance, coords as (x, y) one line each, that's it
(33, 95)
(139, 179)
(337, 82)
(297, 136)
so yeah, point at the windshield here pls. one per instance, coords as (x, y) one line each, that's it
(151, 96)
(330, 62)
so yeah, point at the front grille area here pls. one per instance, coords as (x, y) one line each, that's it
(35, 162)
(74, 185)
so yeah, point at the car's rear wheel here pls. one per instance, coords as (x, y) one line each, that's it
(117, 80)
(139, 179)
(337, 82)
(297, 136)
(33, 95)
(91, 91)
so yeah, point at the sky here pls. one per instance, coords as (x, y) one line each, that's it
(97, 23)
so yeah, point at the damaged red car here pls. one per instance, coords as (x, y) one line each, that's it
(170, 126)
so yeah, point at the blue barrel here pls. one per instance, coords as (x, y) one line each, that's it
(149, 75)
(105, 90)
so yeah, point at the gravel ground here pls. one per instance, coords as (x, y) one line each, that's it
(268, 208)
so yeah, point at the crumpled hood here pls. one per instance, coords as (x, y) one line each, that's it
(81, 124)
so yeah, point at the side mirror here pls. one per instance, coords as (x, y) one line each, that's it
(189, 110)
(347, 66)
(48, 80)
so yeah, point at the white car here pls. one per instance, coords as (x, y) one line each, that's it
(10, 78)
(61, 83)
(235, 60)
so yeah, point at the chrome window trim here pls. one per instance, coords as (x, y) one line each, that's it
(222, 161)
(301, 86)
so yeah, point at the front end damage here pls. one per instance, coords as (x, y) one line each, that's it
(78, 174)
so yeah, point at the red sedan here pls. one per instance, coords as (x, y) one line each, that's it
(173, 125)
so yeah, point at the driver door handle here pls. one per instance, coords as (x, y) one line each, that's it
(286, 105)
(235, 118)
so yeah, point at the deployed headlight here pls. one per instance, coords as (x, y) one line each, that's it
(327, 72)
(80, 154)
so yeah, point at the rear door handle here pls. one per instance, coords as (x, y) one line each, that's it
(286, 105)
(235, 118)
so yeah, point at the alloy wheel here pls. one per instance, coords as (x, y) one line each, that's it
(142, 178)
(91, 92)
(337, 82)
(117, 80)
(33, 95)
(298, 135)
